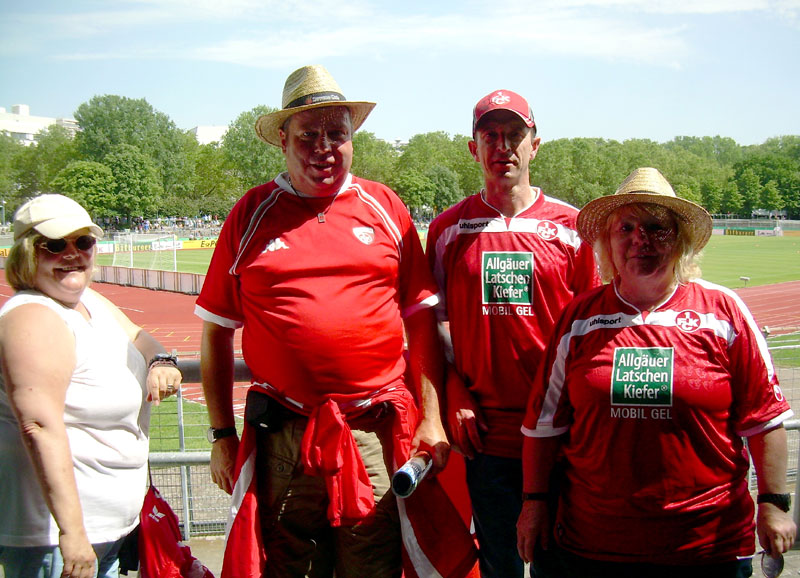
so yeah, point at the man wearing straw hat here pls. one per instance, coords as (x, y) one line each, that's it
(507, 260)
(324, 271)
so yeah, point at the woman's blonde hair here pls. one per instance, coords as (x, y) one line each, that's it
(686, 268)
(21, 263)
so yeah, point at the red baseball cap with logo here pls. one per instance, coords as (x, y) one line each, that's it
(503, 100)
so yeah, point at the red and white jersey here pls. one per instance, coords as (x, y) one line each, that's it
(655, 405)
(504, 282)
(321, 299)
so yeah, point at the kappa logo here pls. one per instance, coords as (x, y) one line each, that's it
(500, 98)
(274, 245)
(364, 234)
(688, 321)
(155, 515)
(547, 230)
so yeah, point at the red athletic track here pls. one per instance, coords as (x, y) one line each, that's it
(170, 316)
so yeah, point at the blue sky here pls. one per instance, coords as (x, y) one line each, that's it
(614, 69)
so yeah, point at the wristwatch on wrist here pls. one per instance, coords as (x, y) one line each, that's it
(163, 359)
(217, 434)
(782, 501)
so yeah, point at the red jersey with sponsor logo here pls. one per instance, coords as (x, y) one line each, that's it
(320, 287)
(504, 283)
(653, 405)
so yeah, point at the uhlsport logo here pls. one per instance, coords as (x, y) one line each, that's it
(364, 234)
(547, 230)
(500, 98)
(507, 277)
(642, 376)
(688, 321)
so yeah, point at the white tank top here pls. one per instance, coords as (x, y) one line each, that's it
(107, 421)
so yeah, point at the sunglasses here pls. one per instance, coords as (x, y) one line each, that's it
(55, 246)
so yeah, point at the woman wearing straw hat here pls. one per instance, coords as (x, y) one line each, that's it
(649, 385)
(74, 403)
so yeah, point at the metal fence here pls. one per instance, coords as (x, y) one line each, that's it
(180, 456)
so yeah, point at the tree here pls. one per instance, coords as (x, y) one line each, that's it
(10, 149)
(89, 183)
(110, 120)
(252, 160)
(750, 190)
(137, 184)
(732, 201)
(416, 190)
(771, 198)
(216, 188)
(38, 164)
(373, 158)
(446, 191)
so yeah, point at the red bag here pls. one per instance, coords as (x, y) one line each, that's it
(161, 553)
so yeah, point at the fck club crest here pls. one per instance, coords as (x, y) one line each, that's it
(688, 321)
(500, 99)
(547, 230)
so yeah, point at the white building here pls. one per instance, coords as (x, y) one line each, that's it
(19, 123)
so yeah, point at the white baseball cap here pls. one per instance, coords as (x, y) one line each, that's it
(54, 216)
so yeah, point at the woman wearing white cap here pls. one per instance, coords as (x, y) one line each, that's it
(649, 386)
(74, 411)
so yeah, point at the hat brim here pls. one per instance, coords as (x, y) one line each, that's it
(696, 221)
(60, 228)
(269, 125)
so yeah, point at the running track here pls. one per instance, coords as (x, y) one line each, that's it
(170, 318)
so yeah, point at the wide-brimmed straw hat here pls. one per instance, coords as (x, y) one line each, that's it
(309, 87)
(54, 216)
(646, 185)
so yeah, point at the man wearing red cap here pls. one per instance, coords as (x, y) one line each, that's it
(507, 261)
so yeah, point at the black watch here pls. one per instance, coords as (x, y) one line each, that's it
(217, 434)
(782, 501)
(163, 358)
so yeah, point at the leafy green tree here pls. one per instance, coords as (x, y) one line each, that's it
(416, 190)
(109, 121)
(373, 158)
(771, 198)
(470, 174)
(446, 191)
(216, 188)
(10, 149)
(750, 190)
(90, 183)
(438, 149)
(252, 161)
(137, 183)
(38, 164)
(732, 201)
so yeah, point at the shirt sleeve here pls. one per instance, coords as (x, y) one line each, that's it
(417, 288)
(759, 403)
(220, 301)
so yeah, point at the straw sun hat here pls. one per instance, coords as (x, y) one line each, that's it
(309, 87)
(646, 185)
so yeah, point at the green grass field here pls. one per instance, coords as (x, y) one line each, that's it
(765, 260)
